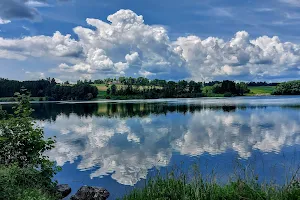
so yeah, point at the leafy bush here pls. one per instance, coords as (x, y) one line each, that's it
(22, 142)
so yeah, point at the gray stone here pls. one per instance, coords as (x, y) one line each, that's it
(91, 193)
(63, 189)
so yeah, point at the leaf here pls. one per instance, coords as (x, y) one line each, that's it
(3, 138)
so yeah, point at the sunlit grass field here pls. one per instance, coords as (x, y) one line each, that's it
(261, 90)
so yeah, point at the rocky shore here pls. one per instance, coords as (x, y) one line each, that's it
(84, 193)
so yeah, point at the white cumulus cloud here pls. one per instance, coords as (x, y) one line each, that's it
(125, 45)
(240, 56)
(42, 46)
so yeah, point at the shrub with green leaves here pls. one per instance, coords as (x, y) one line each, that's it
(22, 160)
(22, 142)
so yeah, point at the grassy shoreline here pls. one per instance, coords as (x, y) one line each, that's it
(244, 184)
(177, 189)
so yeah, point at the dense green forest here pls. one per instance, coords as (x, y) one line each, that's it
(288, 88)
(49, 89)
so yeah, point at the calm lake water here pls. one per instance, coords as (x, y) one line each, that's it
(118, 145)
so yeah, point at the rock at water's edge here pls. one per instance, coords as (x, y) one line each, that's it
(91, 193)
(63, 189)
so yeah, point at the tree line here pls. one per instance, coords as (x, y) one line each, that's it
(49, 89)
(142, 81)
(143, 88)
(172, 89)
(261, 84)
(288, 88)
(162, 89)
(252, 83)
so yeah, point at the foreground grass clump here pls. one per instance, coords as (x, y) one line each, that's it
(181, 187)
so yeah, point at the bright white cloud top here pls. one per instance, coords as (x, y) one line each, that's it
(127, 46)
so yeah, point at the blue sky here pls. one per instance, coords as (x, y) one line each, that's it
(169, 39)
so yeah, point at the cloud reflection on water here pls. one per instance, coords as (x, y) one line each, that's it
(127, 148)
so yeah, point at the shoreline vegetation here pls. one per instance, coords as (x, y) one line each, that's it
(192, 185)
(26, 174)
(140, 88)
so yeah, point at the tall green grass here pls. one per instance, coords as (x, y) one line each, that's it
(242, 185)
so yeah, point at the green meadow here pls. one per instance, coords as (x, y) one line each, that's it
(261, 90)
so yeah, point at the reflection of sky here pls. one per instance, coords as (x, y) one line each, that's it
(126, 148)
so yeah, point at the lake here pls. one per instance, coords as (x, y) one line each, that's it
(119, 144)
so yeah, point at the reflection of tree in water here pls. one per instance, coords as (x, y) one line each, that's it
(124, 110)
(229, 108)
(50, 111)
